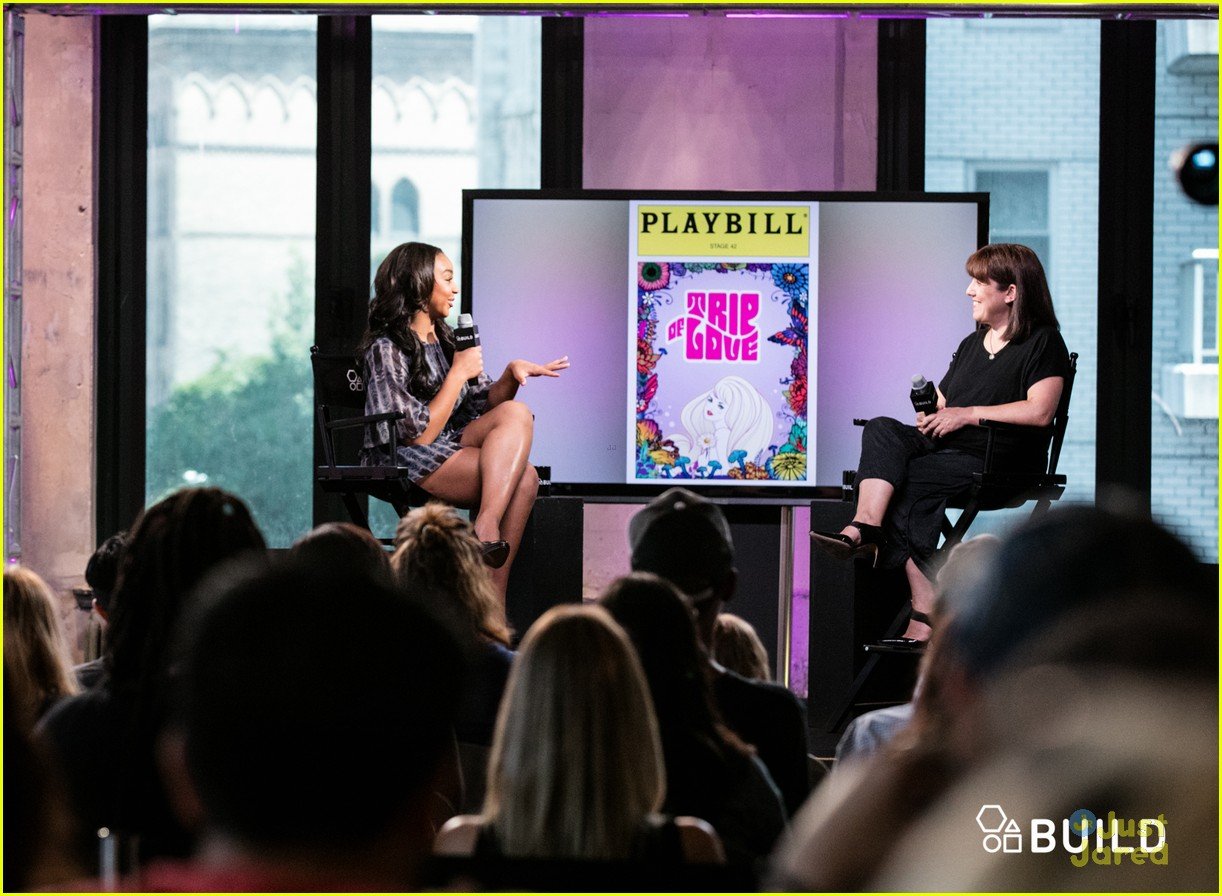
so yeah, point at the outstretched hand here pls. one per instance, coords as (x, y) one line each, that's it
(522, 370)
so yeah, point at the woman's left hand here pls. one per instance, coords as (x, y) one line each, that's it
(946, 420)
(522, 370)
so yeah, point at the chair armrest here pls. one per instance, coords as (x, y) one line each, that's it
(349, 422)
(997, 426)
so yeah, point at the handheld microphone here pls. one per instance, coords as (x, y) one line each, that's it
(466, 335)
(924, 395)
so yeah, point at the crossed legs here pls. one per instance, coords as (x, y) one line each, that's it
(491, 473)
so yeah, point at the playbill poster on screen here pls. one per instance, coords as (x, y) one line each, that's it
(722, 309)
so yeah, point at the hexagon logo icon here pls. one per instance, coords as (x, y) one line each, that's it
(992, 821)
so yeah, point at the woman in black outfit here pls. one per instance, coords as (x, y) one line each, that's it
(1011, 369)
(467, 444)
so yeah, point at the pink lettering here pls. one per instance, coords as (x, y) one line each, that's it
(719, 326)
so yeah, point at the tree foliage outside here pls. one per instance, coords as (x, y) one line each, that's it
(247, 425)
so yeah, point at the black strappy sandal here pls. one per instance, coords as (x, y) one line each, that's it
(908, 644)
(842, 547)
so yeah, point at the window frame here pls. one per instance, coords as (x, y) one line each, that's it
(343, 235)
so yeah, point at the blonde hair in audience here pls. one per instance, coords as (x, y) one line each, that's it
(36, 650)
(437, 548)
(576, 765)
(737, 647)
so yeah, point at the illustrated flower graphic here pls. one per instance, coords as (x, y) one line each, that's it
(653, 275)
(646, 431)
(796, 396)
(791, 277)
(788, 465)
(706, 440)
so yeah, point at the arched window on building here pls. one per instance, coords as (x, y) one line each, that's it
(375, 210)
(405, 208)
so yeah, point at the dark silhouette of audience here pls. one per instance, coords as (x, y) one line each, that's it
(104, 738)
(1078, 673)
(101, 573)
(343, 546)
(686, 540)
(438, 556)
(300, 723)
(307, 740)
(38, 828)
(710, 773)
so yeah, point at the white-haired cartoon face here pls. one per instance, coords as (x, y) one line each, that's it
(714, 408)
(732, 416)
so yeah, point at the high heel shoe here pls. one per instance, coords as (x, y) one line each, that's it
(495, 553)
(842, 547)
(915, 645)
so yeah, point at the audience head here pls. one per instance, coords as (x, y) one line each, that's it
(102, 570)
(37, 658)
(1091, 560)
(685, 539)
(964, 567)
(737, 647)
(436, 551)
(343, 546)
(576, 763)
(310, 737)
(1013, 264)
(659, 621)
(172, 545)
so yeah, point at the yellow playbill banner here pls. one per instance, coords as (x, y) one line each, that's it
(758, 231)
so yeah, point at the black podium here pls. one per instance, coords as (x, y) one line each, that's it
(547, 570)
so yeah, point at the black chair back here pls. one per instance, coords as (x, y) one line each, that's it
(1061, 420)
(339, 408)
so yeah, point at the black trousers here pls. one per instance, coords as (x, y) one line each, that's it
(925, 477)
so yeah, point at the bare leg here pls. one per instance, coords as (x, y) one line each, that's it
(873, 496)
(513, 523)
(490, 473)
(922, 600)
(503, 437)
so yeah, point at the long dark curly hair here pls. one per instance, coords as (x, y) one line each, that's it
(401, 288)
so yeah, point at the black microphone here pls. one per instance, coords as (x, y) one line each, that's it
(924, 395)
(466, 335)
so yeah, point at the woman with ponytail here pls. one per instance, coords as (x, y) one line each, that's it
(463, 437)
(438, 557)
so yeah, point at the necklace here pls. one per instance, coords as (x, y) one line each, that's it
(992, 353)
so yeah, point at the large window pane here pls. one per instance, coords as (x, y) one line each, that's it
(1012, 108)
(231, 168)
(455, 106)
(1184, 424)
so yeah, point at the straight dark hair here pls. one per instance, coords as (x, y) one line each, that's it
(401, 288)
(1012, 263)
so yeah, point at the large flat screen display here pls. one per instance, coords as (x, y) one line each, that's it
(719, 341)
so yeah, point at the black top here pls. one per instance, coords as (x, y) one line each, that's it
(770, 718)
(974, 379)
